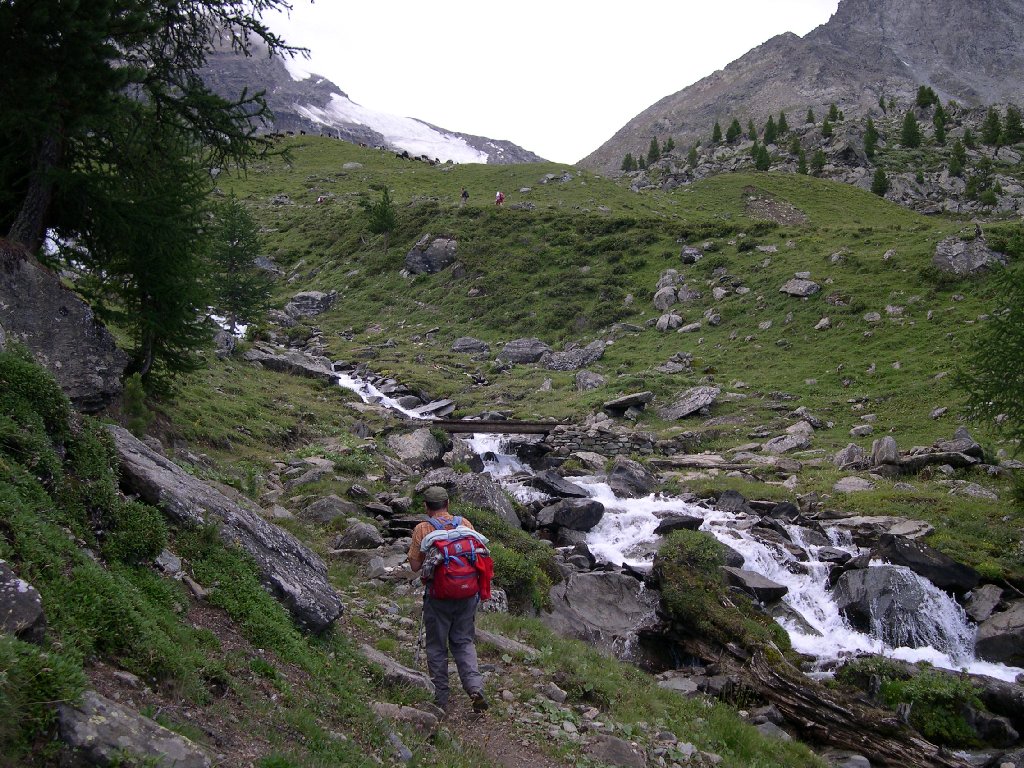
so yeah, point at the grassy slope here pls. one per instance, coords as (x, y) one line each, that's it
(563, 271)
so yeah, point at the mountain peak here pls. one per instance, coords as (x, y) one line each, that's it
(868, 50)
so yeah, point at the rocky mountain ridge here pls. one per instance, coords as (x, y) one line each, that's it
(315, 105)
(867, 51)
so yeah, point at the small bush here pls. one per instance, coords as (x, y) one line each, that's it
(137, 533)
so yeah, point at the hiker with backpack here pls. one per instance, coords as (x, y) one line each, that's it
(456, 568)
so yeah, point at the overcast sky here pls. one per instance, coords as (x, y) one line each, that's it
(557, 77)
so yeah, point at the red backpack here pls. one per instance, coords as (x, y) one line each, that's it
(457, 564)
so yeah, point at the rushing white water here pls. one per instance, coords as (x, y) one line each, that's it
(370, 394)
(626, 536)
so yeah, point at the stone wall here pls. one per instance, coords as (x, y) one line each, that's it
(569, 439)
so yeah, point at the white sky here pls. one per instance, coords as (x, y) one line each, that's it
(557, 77)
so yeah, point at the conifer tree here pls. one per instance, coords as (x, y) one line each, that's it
(826, 128)
(653, 152)
(628, 163)
(641, 162)
(716, 134)
(801, 162)
(241, 290)
(818, 161)
(1013, 131)
(880, 183)
(754, 149)
(733, 131)
(668, 146)
(751, 130)
(382, 216)
(870, 138)
(795, 148)
(910, 132)
(926, 97)
(763, 160)
(691, 157)
(810, 116)
(881, 102)
(833, 112)
(892, 104)
(770, 131)
(783, 124)
(969, 140)
(957, 159)
(939, 122)
(992, 128)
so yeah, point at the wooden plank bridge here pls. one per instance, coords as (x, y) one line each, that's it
(496, 426)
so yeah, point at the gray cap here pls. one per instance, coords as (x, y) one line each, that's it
(435, 494)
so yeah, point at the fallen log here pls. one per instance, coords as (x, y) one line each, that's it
(821, 716)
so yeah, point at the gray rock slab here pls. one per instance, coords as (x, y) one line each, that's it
(396, 673)
(983, 601)
(575, 358)
(431, 254)
(506, 644)
(524, 350)
(609, 750)
(785, 443)
(418, 448)
(290, 571)
(292, 362)
(853, 484)
(625, 402)
(470, 345)
(800, 287)
(691, 401)
(1001, 636)
(965, 257)
(21, 607)
(101, 732)
(60, 330)
(763, 589)
(630, 479)
(310, 303)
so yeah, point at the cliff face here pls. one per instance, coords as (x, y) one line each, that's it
(868, 49)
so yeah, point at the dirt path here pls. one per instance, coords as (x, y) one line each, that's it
(496, 738)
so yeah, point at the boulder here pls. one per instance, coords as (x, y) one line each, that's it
(288, 569)
(60, 330)
(587, 380)
(962, 442)
(884, 451)
(941, 570)
(359, 536)
(785, 443)
(553, 484)
(982, 602)
(668, 322)
(622, 404)
(395, 673)
(677, 521)
(21, 608)
(665, 298)
(310, 303)
(574, 358)
(853, 484)
(470, 345)
(424, 723)
(613, 751)
(98, 731)
(603, 608)
(800, 287)
(292, 362)
(852, 457)
(577, 514)
(524, 350)
(481, 491)
(328, 509)
(630, 478)
(417, 449)
(965, 257)
(431, 255)
(1001, 636)
(691, 401)
(762, 589)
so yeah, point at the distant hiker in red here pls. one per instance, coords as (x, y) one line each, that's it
(454, 564)
(499, 198)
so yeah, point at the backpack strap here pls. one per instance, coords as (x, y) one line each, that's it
(440, 525)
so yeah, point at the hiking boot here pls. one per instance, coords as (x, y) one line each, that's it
(479, 702)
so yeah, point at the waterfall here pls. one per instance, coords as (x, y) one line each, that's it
(937, 632)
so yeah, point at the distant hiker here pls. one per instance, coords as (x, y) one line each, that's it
(464, 197)
(499, 198)
(453, 561)
(977, 230)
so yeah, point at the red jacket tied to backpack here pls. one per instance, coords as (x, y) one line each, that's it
(457, 564)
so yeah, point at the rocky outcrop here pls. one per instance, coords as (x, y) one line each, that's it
(574, 357)
(603, 608)
(310, 303)
(630, 479)
(1001, 636)
(288, 569)
(941, 570)
(431, 255)
(691, 401)
(524, 350)
(418, 448)
(292, 362)
(965, 257)
(470, 346)
(60, 330)
(21, 608)
(575, 514)
(98, 731)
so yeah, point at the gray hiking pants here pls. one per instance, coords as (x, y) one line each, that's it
(451, 623)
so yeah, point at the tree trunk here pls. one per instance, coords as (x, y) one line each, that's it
(823, 717)
(29, 227)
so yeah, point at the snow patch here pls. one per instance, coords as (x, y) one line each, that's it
(415, 137)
